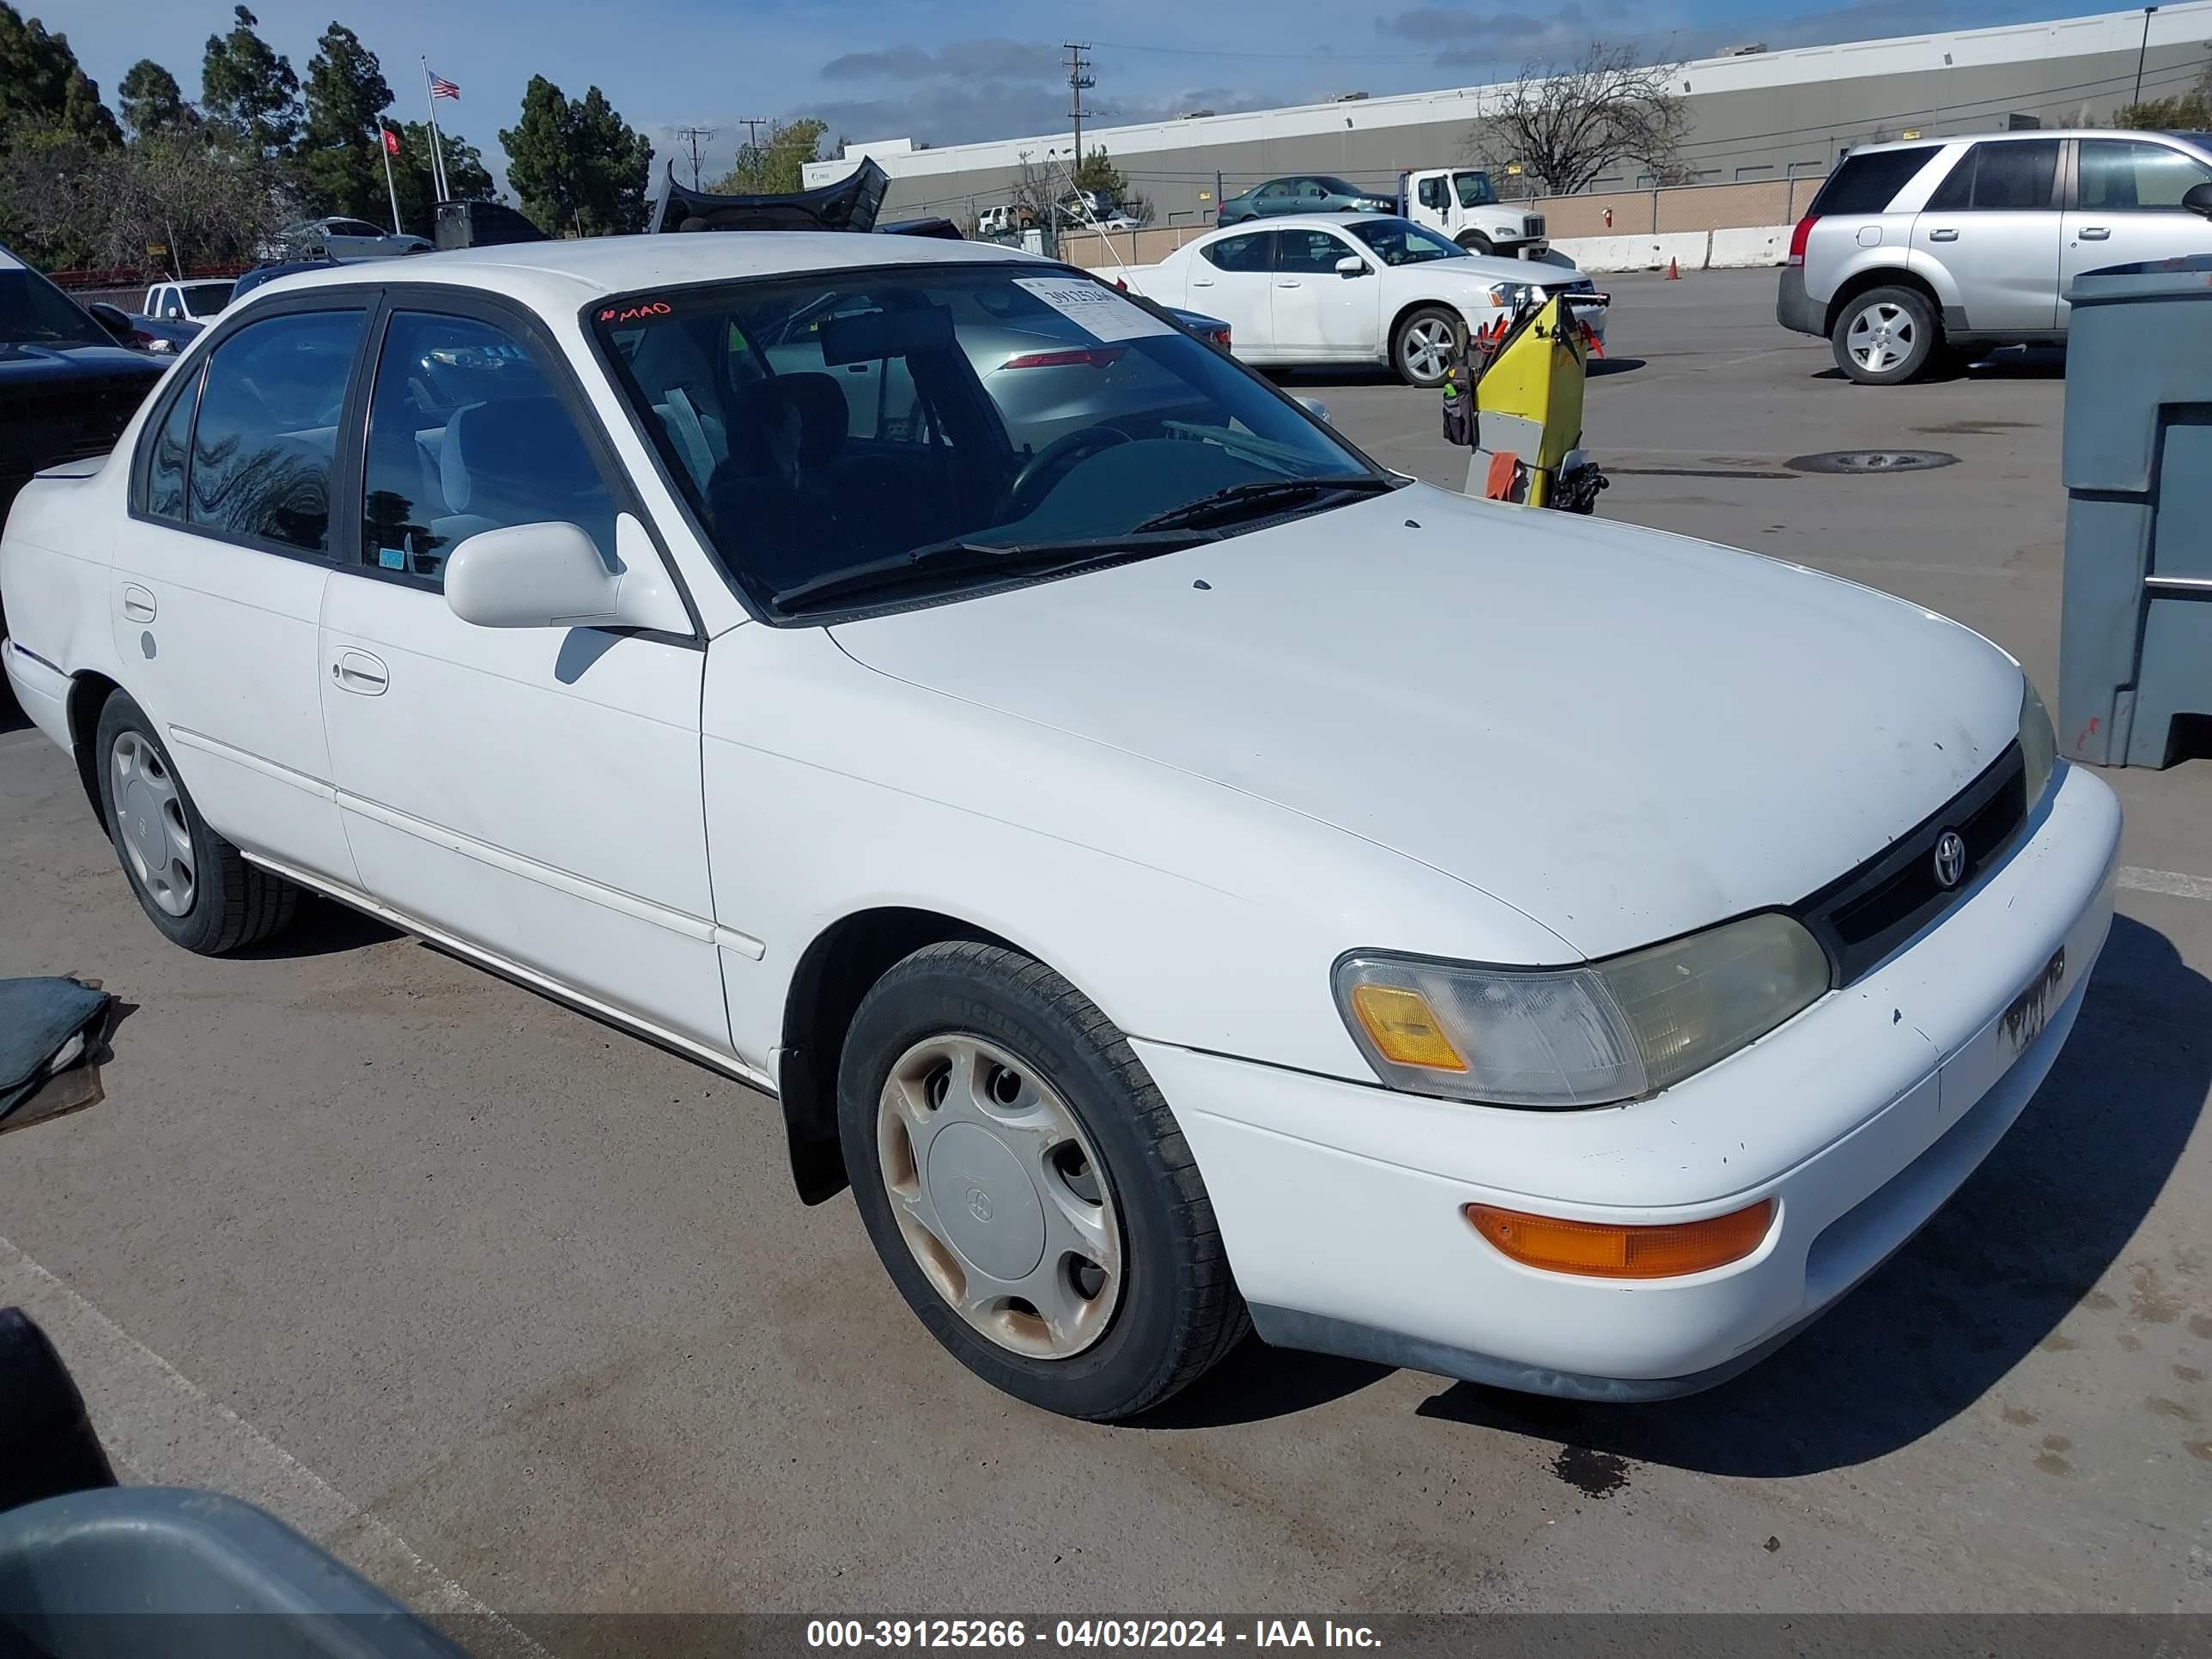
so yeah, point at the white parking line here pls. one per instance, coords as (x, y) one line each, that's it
(2165, 881)
(161, 1429)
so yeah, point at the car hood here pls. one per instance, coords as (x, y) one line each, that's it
(1623, 734)
(22, 362)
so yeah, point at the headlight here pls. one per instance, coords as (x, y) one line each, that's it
(2038, 743)
(1511, 296)
(1578, 1037)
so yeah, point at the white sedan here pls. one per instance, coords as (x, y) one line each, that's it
(1348, 287)
(1177, 873)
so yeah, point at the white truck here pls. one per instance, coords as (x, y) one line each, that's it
(188, 302)
(1460, 202)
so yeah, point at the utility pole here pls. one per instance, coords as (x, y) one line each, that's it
(752, 124)
(1079, 80)
(694, 135)
(2142, 51)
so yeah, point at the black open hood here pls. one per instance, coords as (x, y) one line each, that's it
(851, 203)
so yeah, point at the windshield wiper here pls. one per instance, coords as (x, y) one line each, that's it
(1264, 495)
(962, 556)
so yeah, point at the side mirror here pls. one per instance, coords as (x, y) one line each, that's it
(112, 318)
(1314, 407)
(551, 576)
(1351, 266)
(2197, 199)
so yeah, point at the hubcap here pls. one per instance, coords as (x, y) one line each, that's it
(998, 1194)
(157, 844)
(1881, 338)
(1428, 348)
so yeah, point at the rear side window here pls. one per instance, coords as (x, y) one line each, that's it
(165, 468)
(2014, 177)
(1250, 252)
(1868, 183)
(267, 429)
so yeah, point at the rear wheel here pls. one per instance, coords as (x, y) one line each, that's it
(1886, 336)
(1475, 242)
(1028, 1189)
(1421, 350)
(193, 885)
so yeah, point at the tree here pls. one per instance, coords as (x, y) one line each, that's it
(150, 100)
(1566, 123)
(466, 176)
(2188, 111)
(248, 92)
(42, 84)
(777, 166)
(1098, 175)
(577, 166)
(68, 200)
(339, 162)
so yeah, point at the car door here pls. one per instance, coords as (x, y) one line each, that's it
(217, 584)
(531, 794)
(1318, 313)
(1232, 277)
(1993, 224)
(2127, 207)
(1278, 196)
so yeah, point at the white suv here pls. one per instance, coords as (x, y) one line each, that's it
(1914, 253)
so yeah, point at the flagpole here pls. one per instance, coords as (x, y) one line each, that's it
(437, 144)
(390, 189)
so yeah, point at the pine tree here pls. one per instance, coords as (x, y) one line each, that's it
(43, 85)
(339, 161)
(248, 92)
(150, 100)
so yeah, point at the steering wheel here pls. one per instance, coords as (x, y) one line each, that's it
(1042, 473)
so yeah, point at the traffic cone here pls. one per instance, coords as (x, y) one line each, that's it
(1673, 270)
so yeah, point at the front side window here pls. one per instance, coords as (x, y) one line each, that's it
(267, 429)
(1474, 190)
(897, 422)
(1401, 242)
(466, 434)
(1432, 193)
(1311, 251)
(1250, 252)
(2122, 175)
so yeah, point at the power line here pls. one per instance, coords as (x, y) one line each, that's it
(752, 124)
(694, 135)
(1079, 79)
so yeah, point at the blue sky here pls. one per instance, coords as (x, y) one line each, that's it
(947, 72)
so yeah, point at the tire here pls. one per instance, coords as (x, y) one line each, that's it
(1475, 242)
(193, 885)
(964, 1039)
(1887, 336)
(1415, 349)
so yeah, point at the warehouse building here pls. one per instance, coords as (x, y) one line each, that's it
(1754, 115)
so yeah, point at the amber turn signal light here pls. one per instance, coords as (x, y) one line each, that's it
(1596, 1250)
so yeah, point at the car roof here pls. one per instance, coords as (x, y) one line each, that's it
(1937, 140)
(1340, 218)
(566, 275)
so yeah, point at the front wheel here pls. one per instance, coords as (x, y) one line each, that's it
(1027, 1187)
(1475, 242)
(1886, 336)
(1422, 348)
(193, 885)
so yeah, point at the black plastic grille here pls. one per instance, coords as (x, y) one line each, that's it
(1866, 913)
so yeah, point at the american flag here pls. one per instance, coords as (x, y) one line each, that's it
(441, 88)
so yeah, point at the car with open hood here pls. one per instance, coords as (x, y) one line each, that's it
(1182, 876)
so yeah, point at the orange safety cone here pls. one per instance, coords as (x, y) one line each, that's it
(1673, 270)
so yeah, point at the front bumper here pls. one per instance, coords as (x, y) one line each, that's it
(1796, 309)
(1339, 1203)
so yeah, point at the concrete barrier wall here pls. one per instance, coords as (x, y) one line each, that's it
(1749, 246)
(1744, 248)
(1600, 254)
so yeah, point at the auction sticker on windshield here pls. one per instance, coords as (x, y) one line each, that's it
(1098, 311)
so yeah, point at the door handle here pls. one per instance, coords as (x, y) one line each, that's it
(138, 602)
(1201, 281)
(1292, 282)
(1942, 236)
(2095, 233)
(358, 671)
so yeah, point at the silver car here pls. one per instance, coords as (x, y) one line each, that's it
(1914, 254)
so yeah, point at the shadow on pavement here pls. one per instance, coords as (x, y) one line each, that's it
(323, 928)
(1257, 1383)
(1988, 1279)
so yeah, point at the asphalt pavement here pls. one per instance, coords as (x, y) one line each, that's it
(518, 1313)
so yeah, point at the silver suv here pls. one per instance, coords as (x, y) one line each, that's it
(1913, 254)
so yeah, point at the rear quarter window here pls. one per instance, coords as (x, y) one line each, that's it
(1868, 183)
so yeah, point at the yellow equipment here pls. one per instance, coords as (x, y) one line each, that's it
(1527, 427)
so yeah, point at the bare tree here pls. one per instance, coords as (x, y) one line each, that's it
(1566, 123)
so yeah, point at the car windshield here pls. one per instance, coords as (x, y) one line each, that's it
(31, 309)
(1401, 242)
(1474, 190)
(830, 426)
(1341, 187)
(204, 297)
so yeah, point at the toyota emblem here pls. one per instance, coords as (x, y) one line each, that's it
(1950, 859)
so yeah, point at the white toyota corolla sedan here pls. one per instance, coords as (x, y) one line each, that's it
(1177, 872)
(1349, 288)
